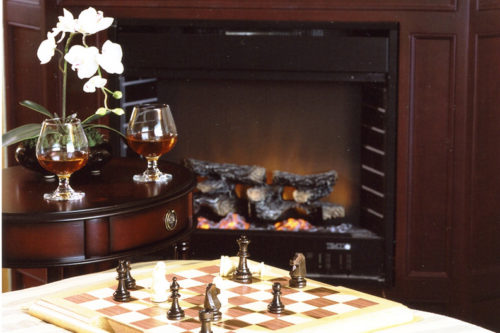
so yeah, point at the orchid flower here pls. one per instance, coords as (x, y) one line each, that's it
(83, 60)
(94, 82)
(91, 21)
(111, 58)
(47, 49)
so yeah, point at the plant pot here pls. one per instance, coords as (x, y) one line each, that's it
(99, 155)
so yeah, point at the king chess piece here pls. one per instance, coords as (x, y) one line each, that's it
(211, 302)
(243, 274)
(276, 306)
(175, 312)
(121, 293)
(129, 280)
(298, 271)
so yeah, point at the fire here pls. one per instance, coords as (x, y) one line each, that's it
(232, 221)
(292, 224)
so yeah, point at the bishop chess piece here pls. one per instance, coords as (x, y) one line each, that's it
(121, 293)
(206, 318)
(276, 306)
(298, 271)
(175, 312)
(129, 280)
(211, 302)
(243, 274)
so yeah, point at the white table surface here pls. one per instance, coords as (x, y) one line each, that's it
(15, 319)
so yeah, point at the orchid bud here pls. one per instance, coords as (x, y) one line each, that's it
(117, 94)
(118, 111)
(101, 111)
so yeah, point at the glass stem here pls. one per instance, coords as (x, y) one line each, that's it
(152, 165)
(63, 186)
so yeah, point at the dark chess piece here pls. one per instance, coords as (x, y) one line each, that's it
(276, 306)
(175, 312)
(243, 274)
(205, 318)
(298, 271)
(121, 294)
(129, 280)
(212, 302)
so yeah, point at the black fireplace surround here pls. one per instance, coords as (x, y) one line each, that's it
(301, 97)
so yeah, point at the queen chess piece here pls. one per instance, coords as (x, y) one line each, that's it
(242, 273)
(276, 306)
(175, 312)
(121, 293)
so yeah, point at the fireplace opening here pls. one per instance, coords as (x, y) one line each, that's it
(299, 99)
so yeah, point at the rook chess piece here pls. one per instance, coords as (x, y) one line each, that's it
(276, 306)
(129, 280)
(205, 318)
(175, 312)
(212, 302)
(298, 271)
(121, 294)
(243, 274)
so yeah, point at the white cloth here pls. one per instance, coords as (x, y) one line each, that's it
(15, 320)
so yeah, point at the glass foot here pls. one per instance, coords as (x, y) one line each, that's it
(157, 177)
(64, 196)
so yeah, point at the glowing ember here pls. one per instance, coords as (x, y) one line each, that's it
(293, 225)
(232, 221)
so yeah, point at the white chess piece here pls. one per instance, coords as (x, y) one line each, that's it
(227, 266)
(159, 285)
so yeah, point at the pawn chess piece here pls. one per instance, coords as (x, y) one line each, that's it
(211, 302)
(298, 271)
(276, 306)
(121, 293)
(205, 318)
(129, 280)
(243, 274)
(175, 312)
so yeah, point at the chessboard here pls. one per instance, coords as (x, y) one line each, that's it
(317, 307)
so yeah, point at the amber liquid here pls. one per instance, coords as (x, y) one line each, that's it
(63, 163)
(152, 148)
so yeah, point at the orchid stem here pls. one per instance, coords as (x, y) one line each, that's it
(65, 77)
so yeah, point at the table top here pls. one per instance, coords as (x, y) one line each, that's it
(111, 192)
(16, 320)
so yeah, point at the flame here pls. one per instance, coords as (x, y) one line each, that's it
(292, 224)
(232, 221)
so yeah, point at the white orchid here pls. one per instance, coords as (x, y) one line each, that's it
(111, 58)
(47, 49)
(83, 60)
(94, 82)
(91, 21)
(67, 23)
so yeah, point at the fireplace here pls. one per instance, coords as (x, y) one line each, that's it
(301, 98)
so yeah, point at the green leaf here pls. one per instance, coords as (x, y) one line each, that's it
(37, 107)
(21, 133)
(108, 128)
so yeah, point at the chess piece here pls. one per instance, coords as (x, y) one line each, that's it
(212, 302)
(159, 284)
(121, 293)
(243, 274)
(298, 271)
(129, 280)
(276, 306)
(205, 318)
(175, 312)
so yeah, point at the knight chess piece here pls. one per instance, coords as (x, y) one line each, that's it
(175, 312)
(129, 280)
(121, 293)
(211, 302)
(298, 271)
(206, 318)
(243, 274)
(276, 306)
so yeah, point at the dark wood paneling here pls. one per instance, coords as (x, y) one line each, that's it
(484, 224)
(96, 237)
(430, 166)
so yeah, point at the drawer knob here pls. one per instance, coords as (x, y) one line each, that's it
(170, 220)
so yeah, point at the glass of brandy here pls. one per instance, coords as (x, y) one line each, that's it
(62, 148)
(151, 132)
